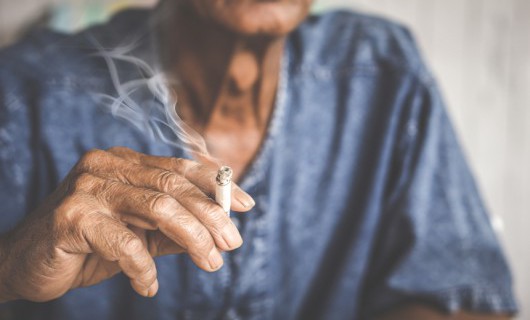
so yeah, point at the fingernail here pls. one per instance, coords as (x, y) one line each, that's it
(151, 292)
(232, 237)
(244, 198)
(215, 259)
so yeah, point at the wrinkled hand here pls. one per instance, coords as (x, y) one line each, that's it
(114, 211)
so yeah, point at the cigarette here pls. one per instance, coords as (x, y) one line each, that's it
(223, 188)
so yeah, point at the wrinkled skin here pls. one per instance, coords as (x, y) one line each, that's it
(115, 211)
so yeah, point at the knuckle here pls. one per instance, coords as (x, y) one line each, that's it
(132, 246)
(163, 205)
(91, 157)
(106, 191)
(185, 191)
(182, 166)
(84, 182)
(107, 187)
(202, 240)
(68, 211)
(72, 212)
(214, 215)
(94, 153)
(177, 163)
(167, 181)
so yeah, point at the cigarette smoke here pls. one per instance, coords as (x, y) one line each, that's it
(159, 114)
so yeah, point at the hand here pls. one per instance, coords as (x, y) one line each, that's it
(114, 211)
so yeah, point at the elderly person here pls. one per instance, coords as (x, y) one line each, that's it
(359, 203)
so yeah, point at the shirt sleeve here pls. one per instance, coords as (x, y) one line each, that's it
(436, 244)
(16, 140)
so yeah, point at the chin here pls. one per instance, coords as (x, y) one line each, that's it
(255, 17)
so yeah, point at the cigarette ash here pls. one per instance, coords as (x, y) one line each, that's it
(224, 176)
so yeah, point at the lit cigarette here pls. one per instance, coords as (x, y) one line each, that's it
(223, 188)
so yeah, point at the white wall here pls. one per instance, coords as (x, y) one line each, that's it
(480, 51)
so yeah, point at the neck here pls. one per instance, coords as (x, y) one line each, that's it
(223, 75)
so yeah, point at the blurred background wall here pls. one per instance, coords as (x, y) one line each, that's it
(478, 49)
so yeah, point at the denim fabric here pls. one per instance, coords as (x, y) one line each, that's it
(364, 198)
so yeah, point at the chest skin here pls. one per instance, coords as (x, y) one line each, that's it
(238, 118)
(235, 148)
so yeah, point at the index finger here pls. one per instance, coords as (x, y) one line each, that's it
(203, 176)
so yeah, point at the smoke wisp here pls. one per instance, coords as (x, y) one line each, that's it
(153, 116)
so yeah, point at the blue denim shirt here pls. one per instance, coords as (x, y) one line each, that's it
(364, 198)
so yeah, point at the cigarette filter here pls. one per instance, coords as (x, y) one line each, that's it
(223, 189)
